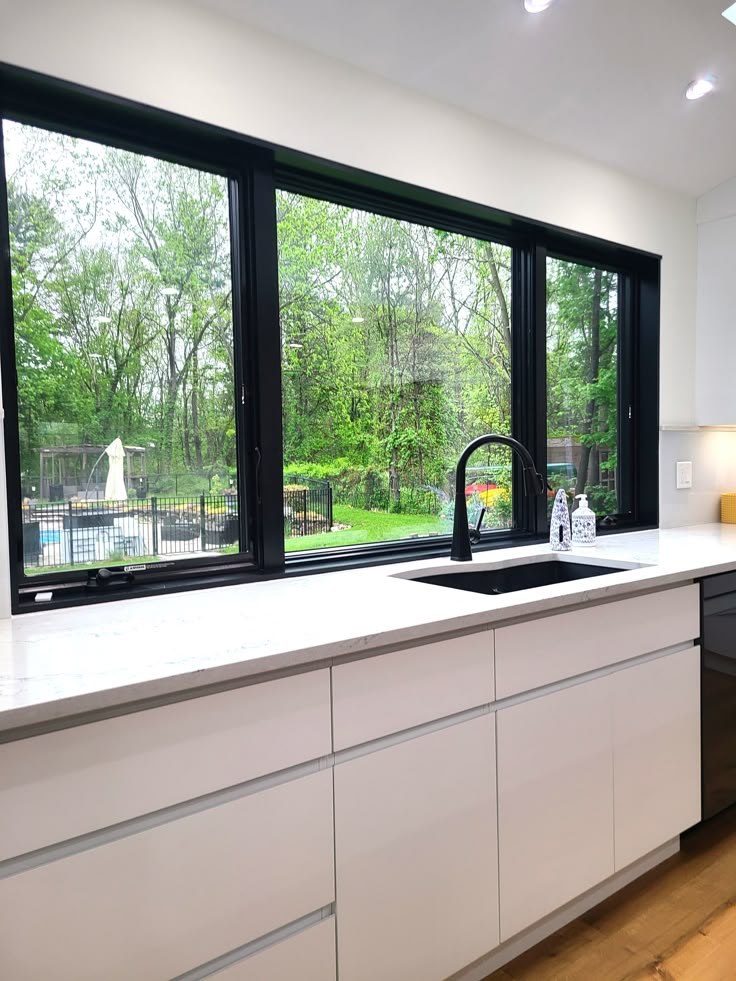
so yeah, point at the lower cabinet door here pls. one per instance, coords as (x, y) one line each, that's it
(416, 856)
(164, 901)
(555, 791)
(307, 956)
(656, 752)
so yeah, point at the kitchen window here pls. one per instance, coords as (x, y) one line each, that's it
(396, 352)
(582, 383)
(124, 355)
(224, 361)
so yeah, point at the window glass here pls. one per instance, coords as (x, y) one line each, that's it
(582, 382)
(396, 352)
(124, 353)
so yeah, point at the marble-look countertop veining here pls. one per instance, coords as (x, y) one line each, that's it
(60, 663)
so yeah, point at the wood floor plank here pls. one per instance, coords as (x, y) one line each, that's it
(567, 945)
(676, 923)
(708, 955)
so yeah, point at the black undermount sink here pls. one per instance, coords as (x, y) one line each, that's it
(495, 582)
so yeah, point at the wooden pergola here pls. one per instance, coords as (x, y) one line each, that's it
(72, 465)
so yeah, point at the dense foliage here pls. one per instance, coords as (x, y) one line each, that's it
(397, 351)
(396, 345)
(122, 301)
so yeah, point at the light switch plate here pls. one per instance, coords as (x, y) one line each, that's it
(684, 474)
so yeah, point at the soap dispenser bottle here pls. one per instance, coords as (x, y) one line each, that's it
(559, 525)
(583, 522)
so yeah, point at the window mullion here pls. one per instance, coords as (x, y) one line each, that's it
(645, 423)
(626, 372)
(11, 468)
(528, 383)
(264, 390)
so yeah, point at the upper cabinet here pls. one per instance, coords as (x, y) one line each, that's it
(715, 399)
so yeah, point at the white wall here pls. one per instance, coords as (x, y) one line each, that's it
(713, 456)
(184, 59)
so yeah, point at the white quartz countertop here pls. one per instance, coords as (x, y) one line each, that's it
(60, 663)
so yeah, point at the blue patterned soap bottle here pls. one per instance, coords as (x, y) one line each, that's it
(583, 523)
(559, 525)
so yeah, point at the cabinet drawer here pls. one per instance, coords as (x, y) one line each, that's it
(540, 652)
(63, 784)
(380, 695)
(307, 956)
(166, 900)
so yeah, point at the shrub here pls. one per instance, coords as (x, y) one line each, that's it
(601, 499)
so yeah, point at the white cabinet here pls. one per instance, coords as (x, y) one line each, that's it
(593, 777)
(535, 804)
(555, 793)
(307, 956)
(416, 860)
(716, 306)
(163, 901)
(63, 784)
(656, 752)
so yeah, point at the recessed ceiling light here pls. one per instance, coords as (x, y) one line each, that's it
(169, 291)
(700, 87)
(295, 345)
(730, 13)
(358, 320)
(537, 6)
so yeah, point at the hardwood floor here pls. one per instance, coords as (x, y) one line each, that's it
(676, 923)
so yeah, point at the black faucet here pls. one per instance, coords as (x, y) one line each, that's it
(534, 483)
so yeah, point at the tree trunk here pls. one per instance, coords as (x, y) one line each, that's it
(505, 331)
(595, 465)
(595, 356)
(186, 435)
(394, 484)
(196, 435)
(172, 386)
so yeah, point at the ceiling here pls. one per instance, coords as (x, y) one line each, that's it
(604, 78)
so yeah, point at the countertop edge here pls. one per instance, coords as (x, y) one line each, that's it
(46, 715)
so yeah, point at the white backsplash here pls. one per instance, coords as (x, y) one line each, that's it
(713, 456)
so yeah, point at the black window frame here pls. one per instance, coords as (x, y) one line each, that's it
(256, 170)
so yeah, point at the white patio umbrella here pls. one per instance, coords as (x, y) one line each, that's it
(115, 485)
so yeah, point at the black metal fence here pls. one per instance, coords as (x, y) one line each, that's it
(307, 507)
(97, 532)
(81, 533)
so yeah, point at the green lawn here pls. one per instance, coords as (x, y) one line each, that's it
(370, 526)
